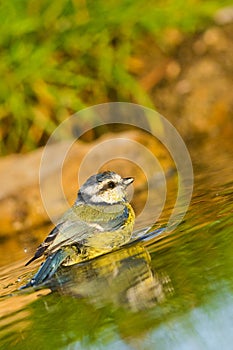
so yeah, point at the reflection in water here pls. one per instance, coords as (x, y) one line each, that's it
(123, 278)
(83, 295)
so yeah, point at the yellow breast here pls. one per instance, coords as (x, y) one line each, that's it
(113, 239)
(103, 242)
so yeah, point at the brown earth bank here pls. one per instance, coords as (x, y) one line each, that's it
(195, 92)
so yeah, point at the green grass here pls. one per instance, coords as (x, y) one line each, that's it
(60, 56)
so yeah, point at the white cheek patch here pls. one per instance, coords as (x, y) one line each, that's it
(91, 190)
(96, 199)
(103, 198)
(110, 196)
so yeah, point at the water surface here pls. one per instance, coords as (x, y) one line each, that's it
(171, 292)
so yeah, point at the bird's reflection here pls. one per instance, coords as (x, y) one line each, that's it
(123, 278)
(119, 286)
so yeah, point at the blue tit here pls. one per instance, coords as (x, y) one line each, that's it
(100, 220)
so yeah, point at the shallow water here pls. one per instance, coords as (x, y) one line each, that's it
(171, 292)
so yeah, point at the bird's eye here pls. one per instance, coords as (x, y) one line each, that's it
(111, 184)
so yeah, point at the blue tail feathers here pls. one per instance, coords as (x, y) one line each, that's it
(47, 269)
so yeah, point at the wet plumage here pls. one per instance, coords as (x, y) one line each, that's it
(100, 220)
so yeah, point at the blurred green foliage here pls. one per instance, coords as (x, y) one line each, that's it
(58, 57)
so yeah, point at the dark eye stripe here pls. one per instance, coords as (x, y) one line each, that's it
(109, 185)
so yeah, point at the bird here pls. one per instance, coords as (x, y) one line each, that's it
(100, 220)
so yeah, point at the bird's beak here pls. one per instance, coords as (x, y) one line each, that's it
(127, 181)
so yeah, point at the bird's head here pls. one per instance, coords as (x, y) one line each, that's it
(104, 188)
